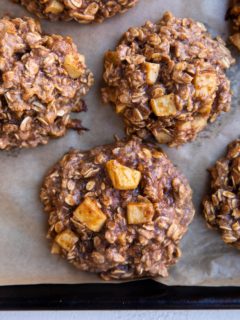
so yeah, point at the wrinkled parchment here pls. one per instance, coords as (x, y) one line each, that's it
(24, 251)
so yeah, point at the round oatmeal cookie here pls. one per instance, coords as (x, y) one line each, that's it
(222, 206)
(233, 14)
(83, 11)
(119, 210)
(43, 80)
(168, 79)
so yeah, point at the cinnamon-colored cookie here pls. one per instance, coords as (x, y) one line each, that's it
(83, 11)
(222, 205)
(119, 210)
(167, 79)
(43, 80)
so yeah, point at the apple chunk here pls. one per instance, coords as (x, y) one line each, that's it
(139, 212)
(164, 106)
(89, 214)
(122, 177)
(152, 71)
(66, 239)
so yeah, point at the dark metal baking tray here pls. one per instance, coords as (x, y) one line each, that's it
(145, 294)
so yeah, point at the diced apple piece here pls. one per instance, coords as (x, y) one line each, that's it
(54, 7)
(206, 109)
(66, 239)
(55, 248)
(205, 84)
(162, 136)
(164, 106)
(112, 56)
(199, 123)
(74, 65)
(120, 108)
(152, 71)
(140, 212)
(89, 214)
(122, 177)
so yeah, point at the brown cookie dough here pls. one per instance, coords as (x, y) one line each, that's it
(119, 210)
(222, 206)
(83, 11)
(43, 80)
(168, 79)
(233, 14)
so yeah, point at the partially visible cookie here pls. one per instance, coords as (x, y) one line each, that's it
(119, 210)
(167, 79)
(43, 80)
(222, 206)
(233, 14)
(83, 11)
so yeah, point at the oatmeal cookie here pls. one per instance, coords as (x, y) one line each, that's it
(222, 206)
(83, 11)
(43, 80)
(168, 79)
(119, 210)
(233, 14)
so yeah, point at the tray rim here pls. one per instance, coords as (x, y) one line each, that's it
(138, 295)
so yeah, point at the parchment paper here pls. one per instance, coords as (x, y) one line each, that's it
(24, 251)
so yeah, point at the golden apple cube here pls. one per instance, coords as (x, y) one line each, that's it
(112, 56)
(206, 109)
(55, 248)
(164, 106)
(199, 123)
(74, 65)
(89, 214)
(120, 108)
(54, 7)
(122, 177)
(205, 84)
(139, 212)
(152, 71)
(162, 136)
(66, 239)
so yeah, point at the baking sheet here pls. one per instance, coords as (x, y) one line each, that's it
(24, 251)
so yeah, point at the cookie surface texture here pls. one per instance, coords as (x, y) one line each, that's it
(167, 79)
(222, 205)
(118, 210)
(44, 79)
(82, 11)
